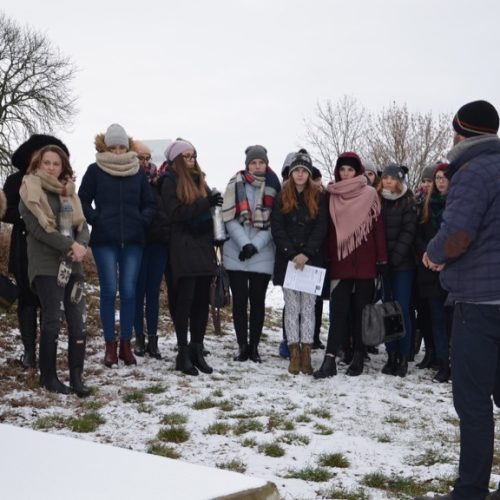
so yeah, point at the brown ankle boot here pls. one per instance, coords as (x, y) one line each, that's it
(294, 366)
(110, 357)
(305, 359)
(125, 352)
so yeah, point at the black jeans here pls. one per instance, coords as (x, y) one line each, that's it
(248, 287)
(340, 312)
(51, 297)
(475, 363)
(191, 308)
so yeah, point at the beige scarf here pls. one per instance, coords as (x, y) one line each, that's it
(118, 165)
(33, 194)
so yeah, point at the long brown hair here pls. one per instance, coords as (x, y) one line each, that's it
(66, 171)
(188, 191)
(289, 197)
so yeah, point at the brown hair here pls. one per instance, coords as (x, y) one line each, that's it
(66, 171)
(399, 185)
(289, 197)
(188, 191)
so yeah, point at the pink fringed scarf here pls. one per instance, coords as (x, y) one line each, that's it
(353, 207)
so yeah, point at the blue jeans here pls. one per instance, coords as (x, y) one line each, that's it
(398, 286)
(439, 335)
(475, 350)
(154, 261)
(117, 266)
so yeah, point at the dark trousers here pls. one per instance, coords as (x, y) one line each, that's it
(340, 312)
(475, 352)
(191, 308)
(248, 287)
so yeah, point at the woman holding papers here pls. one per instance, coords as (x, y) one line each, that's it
(298, 226)
(249, 252)
(356, 251)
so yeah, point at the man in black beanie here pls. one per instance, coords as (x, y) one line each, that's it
(466, 250)
(27, 303)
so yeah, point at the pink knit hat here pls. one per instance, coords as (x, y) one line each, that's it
(177, 147)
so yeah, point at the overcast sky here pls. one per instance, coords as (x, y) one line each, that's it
(229, 73)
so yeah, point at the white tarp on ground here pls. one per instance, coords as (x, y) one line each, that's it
(37, 465)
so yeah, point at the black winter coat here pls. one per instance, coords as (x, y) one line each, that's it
(400, 220)
(158, 231)
(191, 233)
(296, 232)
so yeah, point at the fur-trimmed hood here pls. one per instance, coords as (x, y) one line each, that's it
(3, 204)
(101, 147)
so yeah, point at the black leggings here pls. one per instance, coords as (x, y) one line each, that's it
(248, 287)
(191, 308)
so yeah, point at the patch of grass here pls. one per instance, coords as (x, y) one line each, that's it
(452, 420)
(249, 414)
(406, 485)
(86, 423)
(334, 460)
(92, 405)
(218, 428)
(162, 450)
(217, 393)
(249, 443)
(314, 474)
(204, 404)
(144, 408)
(174, 419)
(323, 430)
(244, 426)
(384, 438)
(50, 422)
(234, 465)
(321, 413)
(134, 397)
(346, 494)
(294, 438)
(303, 418)
(428, 458)
(155, 389)
(173, 434)
(395, 420)
(226, 405)
(271, 450)
(277, 421)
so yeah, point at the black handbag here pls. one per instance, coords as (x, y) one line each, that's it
(220, 294)
(9, 292)
(382, 322)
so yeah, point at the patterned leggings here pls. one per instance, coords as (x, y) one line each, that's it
(299, 304)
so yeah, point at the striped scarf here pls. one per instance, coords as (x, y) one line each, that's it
(236, 205)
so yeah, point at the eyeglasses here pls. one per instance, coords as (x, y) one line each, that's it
(144, 157)
(189, 157)
(440, 178)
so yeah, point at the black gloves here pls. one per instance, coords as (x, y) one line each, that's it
(382, 269)
(247, 252)
(215, 199)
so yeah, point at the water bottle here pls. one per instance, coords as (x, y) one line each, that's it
(66, 218)
(220, 234)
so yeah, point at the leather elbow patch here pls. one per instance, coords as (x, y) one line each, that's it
(457, 244)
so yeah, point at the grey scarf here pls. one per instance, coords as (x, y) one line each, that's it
(119, 165)
(464, 145)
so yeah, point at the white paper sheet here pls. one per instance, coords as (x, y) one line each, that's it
(309, 280)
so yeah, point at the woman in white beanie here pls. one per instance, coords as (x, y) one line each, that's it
(118, 204)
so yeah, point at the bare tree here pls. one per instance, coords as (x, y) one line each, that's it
(335, 128)
(416, 140)
(35, 93)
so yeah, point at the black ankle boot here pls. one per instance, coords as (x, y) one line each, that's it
(197, 358)
(428, 360)
(152, 347)
(328, 368)
(254, 354)
(392, 364)
(183, 361)
(444, 372)
(402, 367)
(243, 353)
(357, 364)
(140, 347)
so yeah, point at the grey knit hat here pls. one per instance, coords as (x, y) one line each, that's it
(286, 165)
(394, 170)
(256, 152)
(116, 136)
(428, 172)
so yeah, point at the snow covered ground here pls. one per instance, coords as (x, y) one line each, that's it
(372, 436)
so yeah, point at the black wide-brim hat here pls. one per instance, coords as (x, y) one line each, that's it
(23, 154)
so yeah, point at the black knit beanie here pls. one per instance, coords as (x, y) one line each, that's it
(476, 118)
(301, 159)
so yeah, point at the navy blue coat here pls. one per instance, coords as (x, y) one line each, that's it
(124, 206)
(468, 241)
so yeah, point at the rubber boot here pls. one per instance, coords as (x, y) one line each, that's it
(428, 360)
(357, 364)
(27, 318)
(48, 373)
(140, 346)
(294, 365)
(328, 368)
(305, 359)
(254, 353)
(125, 353)
(402, 366)
(391, 365)
(444, 372)
(243, 353)
(76, 357)
(110, 356)
(183, 361)
(152, 347)
(197, 358)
